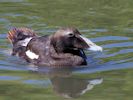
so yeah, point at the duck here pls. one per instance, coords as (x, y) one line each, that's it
(65, 47)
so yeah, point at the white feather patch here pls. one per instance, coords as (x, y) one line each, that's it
(25, 41)
(32, 55)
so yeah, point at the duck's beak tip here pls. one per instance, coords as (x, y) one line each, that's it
(95, 48)
(91, 46)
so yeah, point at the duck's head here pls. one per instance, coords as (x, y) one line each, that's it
(70, 40)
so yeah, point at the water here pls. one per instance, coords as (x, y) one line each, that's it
(108, 75)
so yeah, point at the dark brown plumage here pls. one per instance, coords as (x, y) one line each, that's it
(63, 48)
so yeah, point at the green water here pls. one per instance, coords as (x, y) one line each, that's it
(108, 75)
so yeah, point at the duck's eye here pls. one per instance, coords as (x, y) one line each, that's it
(71, 34)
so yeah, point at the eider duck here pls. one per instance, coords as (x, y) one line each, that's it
(63, 48)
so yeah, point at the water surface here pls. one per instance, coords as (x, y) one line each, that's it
(108, 75)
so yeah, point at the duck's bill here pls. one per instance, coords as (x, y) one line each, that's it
(95, 48)
(91, 46)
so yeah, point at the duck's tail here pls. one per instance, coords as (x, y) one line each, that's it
(17, 34)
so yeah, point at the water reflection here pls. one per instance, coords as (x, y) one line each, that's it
(69, 87)
(65, 84)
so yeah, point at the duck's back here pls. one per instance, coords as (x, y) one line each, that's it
(38, 45)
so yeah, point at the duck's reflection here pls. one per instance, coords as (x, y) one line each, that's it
(73, 87)
(67, 85)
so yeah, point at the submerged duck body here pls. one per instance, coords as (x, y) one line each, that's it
(63, 48)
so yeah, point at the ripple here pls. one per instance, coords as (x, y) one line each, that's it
(11, 0)
(124, 51)
(94, 31)
(124, 44)
(3, 36)
(3, 20)
(107, 38)
(104, 67)
(5, 67)
(9, 78)
(45, 83)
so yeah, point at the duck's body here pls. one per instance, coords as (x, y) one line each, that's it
(63, 48)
